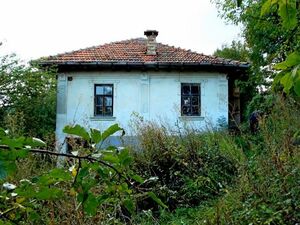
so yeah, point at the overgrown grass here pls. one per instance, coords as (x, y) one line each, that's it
(266, 190)
(189, 170)
(204, 178)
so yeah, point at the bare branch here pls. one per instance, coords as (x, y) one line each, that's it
(88, 158)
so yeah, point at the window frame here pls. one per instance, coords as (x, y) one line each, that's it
(190, 95)
(103, 96)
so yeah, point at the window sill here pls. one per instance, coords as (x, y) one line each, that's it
(191, 118)
(103, 118)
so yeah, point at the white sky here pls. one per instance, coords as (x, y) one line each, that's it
(35, 28)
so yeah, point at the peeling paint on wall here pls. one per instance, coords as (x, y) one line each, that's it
(153, 95)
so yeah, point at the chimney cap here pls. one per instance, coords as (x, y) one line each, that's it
(151, 32)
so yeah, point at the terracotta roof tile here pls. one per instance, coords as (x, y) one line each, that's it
(134, 51)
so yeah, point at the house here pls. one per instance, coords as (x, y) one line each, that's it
(106, 84)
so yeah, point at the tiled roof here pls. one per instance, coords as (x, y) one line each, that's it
(134, 51)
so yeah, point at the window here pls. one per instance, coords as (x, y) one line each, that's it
(190, 99)
(104, 99)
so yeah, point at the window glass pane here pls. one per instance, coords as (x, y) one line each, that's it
(186, 89)
(195, 100)
(186, 101)
(108, 111)
(108, 90)
(99, 90)
(103, 99)
(99, 110)
(195, 111)
(190, 99)
(195, 89)
(99, 100)
(186, 110)
(108, 101)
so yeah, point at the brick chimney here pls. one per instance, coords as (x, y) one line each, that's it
(151, 41)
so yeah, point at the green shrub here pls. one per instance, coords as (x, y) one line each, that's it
(268, 188)
(187, 170)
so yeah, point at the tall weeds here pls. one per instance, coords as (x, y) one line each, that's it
(187, 169)
(259, 173)
(268, 188)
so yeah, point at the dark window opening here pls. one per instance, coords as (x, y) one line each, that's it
(190, 99)
(104, 99)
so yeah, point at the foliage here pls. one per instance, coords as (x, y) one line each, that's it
(27, 98)
(263, 102)
(184, 171)
(248, 85)
(266, 190)
(289, 76)
(287, 10)
(235, 51)
(97, 179)
(207, 178)
(271, 30)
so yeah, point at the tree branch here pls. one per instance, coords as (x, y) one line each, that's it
(88, 158)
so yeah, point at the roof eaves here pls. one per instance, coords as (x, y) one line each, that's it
(145, 65)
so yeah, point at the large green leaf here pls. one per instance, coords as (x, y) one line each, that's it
(129, 205)
(91, 205)
(112, 130)
(287, 82)
(124, 157)
(34, 142)
(12, 155)
(96, 136)
(137, 178)
(46, 193)
(54, 176)
(288, 12)
(297, 85)
(78, 131)
(293, 59)
(266, 7)
(12, 143)
(156, 199)
(22, 153)
(111, 158)
(26, 190)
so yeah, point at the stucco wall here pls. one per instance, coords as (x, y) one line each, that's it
(152, 95)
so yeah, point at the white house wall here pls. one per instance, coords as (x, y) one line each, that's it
(152, 95)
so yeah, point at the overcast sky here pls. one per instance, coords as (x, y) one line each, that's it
(35, 28)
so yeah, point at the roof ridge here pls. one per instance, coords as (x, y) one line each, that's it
(133, 50)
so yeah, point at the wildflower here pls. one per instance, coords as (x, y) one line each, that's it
(9, 186)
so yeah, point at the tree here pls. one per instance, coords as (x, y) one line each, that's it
(272, 33)
(236, 51)
(27, 97)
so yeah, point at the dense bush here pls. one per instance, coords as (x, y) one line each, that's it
(267, 188)
(27, 98)
(186, 170)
